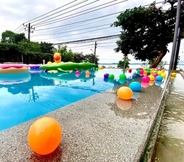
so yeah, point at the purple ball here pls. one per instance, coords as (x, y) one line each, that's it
(106, 75)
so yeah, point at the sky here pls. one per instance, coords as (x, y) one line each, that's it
(72, 20)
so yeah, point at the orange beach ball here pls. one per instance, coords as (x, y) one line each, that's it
(125, 93)
(44, 135)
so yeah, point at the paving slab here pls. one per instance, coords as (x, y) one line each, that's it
(100, 128)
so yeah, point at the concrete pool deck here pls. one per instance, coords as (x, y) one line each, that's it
(94, 129)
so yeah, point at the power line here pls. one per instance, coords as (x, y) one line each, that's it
(51, 18)
(76, 34)
(50, 11)
(78, 22)
(89, 39)
(71, 30)
(78, 25)
(66, 17)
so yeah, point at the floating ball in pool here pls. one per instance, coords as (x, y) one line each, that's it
(135, 86)
(111, 76)
(122, 76)
(44, 135)
(152, 78)
(87, 72)
(145, 79)
(106, 75)
(125, 93)
(159, 78)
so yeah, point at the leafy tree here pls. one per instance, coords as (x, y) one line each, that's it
(46, 47)
(124, 64)
(65, 54)
(147, 31)
(30, 46)
(11, 37)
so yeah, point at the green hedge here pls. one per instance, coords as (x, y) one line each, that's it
(16, 53)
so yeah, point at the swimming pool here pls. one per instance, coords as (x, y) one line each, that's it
(34, 94)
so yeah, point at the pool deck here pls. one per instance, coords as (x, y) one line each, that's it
(100, 128)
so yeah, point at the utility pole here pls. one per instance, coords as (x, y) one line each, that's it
(29, 30)
(95, 52)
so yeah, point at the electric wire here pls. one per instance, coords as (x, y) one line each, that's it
(76, 33)
(72, 30)
(51, 18)
(66, 17)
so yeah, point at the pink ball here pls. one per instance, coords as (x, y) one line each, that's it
(77, 72)
(155, 75)
(145, 79)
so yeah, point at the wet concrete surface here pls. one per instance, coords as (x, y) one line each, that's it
(100, 128)
(170, 143)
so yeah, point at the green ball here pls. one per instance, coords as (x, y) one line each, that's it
(122, 76)
(111, 76)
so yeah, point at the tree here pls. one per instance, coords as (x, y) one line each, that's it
(46, 47)
(124, 64)
(65, 54)
(11, 37)
(147, 31)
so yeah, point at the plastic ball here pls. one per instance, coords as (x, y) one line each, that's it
(173, 74)
(106, 75)
(111, 76)
(145, 79)
(159, 72)
(152, 78)
(159, 78)
(122, 76)
(77, 72)
(87, 72)
(155, 75)
(44, 135)
(125, 93)
(163, 75)
(135, 86)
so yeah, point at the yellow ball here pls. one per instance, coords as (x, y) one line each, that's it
(152, 78)
(125, 93)
(163, 75)
(159, 73)
(173, 74)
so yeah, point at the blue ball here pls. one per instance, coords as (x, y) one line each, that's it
(135, 86)
(159, 78)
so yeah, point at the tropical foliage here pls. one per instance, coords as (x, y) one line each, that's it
(147, 31)
(16, 48)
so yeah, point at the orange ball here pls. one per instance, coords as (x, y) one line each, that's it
(125, 93)
(44, 135)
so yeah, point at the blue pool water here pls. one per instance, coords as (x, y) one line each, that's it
(27, 96)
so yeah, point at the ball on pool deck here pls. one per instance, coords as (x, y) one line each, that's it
(152, 78)
(44, 135)
(135, 86)
(145, 79)
(125, 93)
(159, 78)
